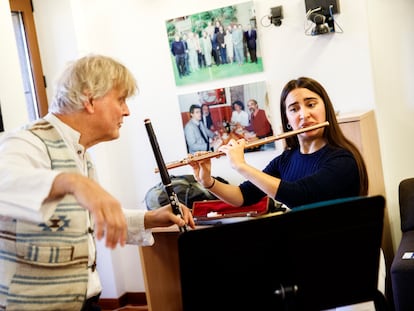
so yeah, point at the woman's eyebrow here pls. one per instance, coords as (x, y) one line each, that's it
(291, 104)
(310, 98)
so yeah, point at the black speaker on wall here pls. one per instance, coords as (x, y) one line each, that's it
(324, 5)
(321, 13)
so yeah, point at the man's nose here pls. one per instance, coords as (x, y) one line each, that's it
(126, 110)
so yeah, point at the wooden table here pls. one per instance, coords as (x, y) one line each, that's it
(161, 271)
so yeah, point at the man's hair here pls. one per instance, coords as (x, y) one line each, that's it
(90, 77)
(194, 107)
(253, 101)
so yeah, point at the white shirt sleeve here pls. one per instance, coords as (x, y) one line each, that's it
(242, 117)
(25, 180)
(137, 234)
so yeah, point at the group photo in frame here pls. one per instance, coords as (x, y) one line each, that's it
(210, 118)
(216, 44)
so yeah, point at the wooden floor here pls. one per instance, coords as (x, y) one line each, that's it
(366, 306)
(129, 308)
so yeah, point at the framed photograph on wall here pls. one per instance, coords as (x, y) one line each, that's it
(215, 44)
(210, 120)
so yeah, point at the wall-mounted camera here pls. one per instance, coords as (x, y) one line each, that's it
(276, 15)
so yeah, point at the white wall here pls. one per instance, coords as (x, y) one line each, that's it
(369, 66)
(58, 39)
(391, 26)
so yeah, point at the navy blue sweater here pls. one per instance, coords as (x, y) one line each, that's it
(329, 173)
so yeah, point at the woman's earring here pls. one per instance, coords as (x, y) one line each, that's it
(288, 126)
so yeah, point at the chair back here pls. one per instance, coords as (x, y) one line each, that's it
(406, 201)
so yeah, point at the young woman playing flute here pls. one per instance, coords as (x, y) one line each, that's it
(317, 165)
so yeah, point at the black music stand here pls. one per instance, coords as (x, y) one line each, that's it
(314, 257)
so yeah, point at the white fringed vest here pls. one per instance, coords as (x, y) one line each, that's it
(44, 266)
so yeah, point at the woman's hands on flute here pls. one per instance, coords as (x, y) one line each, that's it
(201, 169)
(202, 172)
(235, 152)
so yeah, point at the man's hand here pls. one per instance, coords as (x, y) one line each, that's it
(164, 217)
(105, 209)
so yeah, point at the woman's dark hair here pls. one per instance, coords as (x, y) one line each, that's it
(238, 103)
(332, 133)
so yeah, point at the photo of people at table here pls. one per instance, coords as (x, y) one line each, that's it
(211, 118)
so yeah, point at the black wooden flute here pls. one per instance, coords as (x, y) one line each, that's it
(165, 177)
